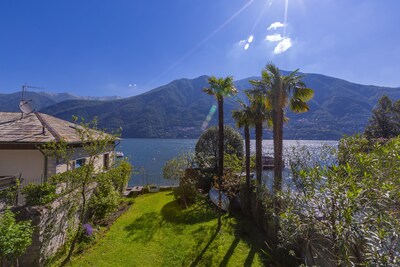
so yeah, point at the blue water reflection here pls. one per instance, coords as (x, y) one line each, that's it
(148, 156)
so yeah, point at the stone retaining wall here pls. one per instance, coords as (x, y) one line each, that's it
(53, 224)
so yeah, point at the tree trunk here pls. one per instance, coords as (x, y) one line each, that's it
(278, 148)
(221, 154)
(247, 148)
(259, 137)
(81, 217)
(277, 117)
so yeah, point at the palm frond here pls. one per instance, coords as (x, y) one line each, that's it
(298, 106)
(302, 93)
(208, 91)
(221, 87)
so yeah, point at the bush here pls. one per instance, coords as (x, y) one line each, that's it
(120, 175)
(15, 236)
(186, 194)
(104, 200)
(351, 146)
(9, 195)
(180, 168)
(39, 194)
(347, 214)
(111, 184)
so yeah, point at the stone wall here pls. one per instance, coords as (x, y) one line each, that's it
(54, 224)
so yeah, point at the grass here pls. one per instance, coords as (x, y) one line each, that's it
(155, 231)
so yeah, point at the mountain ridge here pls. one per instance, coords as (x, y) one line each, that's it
(179, 109)
(10, 102)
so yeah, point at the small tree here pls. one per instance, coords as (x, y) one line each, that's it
(207, 151)
(15, 237)
(385, 120)
(94, 143)
(181, 169)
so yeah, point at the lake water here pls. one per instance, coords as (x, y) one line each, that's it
(148, 156)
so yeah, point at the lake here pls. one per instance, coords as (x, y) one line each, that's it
(148, 156)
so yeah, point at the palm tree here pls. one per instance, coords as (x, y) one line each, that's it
(244, 119)
(260, 114)
(282, 91)
(220, 88)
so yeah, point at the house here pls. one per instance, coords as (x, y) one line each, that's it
(21, 154)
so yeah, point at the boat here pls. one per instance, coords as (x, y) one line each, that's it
(119, 154)
(214, 196)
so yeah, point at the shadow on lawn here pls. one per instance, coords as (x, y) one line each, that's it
(201, 254)
(144, 227)
(173, 213)
(230, 251)
(244, 231)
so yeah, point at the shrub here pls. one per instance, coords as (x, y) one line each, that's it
(39, 194)
(9, 195)
(15, 236)
(111, 184)
(104, 200)
(180, 168)
(347, 214)
(351, 146)
(120, 175)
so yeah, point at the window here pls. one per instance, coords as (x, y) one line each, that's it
(106, 161)
(79, 162)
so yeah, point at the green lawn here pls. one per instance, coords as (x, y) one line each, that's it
(155, 231)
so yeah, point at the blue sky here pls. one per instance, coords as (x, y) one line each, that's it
(128, 47)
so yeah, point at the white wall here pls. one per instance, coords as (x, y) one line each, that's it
(30, 163)
(78, 153)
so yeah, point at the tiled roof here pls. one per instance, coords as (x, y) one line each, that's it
(36, 128)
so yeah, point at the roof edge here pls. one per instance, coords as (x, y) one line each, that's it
(48, 127)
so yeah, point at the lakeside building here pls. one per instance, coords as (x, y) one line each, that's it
(21, 154)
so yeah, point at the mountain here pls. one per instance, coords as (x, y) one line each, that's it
(40, 100)
(179, 109)
(176, 110)
(338, 107)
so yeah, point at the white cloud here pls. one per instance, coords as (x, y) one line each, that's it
(275, 25)
(274, 38)
(244, 44)
(283, 45)
(241, 43)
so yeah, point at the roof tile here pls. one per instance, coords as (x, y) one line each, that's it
(36, 128)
